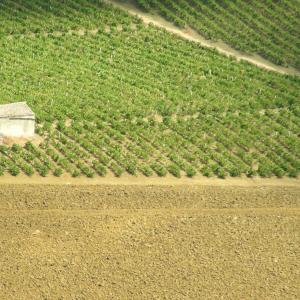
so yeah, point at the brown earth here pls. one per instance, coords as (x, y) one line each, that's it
(149, 242)
(103, 197)
(9, 141)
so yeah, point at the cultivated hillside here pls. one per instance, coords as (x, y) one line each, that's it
(115, 97)
(112, 95)
(265, 27)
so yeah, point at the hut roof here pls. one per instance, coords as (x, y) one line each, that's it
(16, 110)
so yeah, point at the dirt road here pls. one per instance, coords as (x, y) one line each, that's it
(149, 242)
(192, 35)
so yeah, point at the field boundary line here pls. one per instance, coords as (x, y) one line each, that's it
(159, 211)
(130, 180)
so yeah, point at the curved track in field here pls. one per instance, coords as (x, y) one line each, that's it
(192, 35)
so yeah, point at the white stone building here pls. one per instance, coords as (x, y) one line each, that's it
(16, 120)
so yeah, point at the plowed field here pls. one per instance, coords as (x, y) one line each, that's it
(149, 242)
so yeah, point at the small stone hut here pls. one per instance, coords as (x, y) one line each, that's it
(16, 120)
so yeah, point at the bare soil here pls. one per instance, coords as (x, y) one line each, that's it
(112, 196)
(149, 241)
(141, 180)
(9, 141)
(192, 35)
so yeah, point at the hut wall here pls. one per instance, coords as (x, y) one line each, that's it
(17, 127)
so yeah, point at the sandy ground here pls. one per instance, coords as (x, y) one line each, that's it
(126, 179)
(192, 35)
(101, 197)
(9, 141)
(149, 241)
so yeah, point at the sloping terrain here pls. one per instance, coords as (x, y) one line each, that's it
(133, 242)
(151, 16)
(113, 96)
(116, 98)
(268, 28)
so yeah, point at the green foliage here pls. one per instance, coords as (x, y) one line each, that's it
(234, 172)
(28, 170)
(146, 170)
(190, 172)
(174, 170)
(131, 169)
(278, 172)
(250, 172)
(264, 171)
(100, 169)
(293, 173)
(142, 101)
(75, 173)
(206, 172)
(14, 170)
(221, 173)
(16, 148)
(58, 172)
(159, 169)
(118, 171)
(265, 27)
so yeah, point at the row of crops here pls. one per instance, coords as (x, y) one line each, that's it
(265, 27)
(36, 16)
(137, 100)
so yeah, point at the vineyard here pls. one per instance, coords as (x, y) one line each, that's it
(112, 95)
(268, 28)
